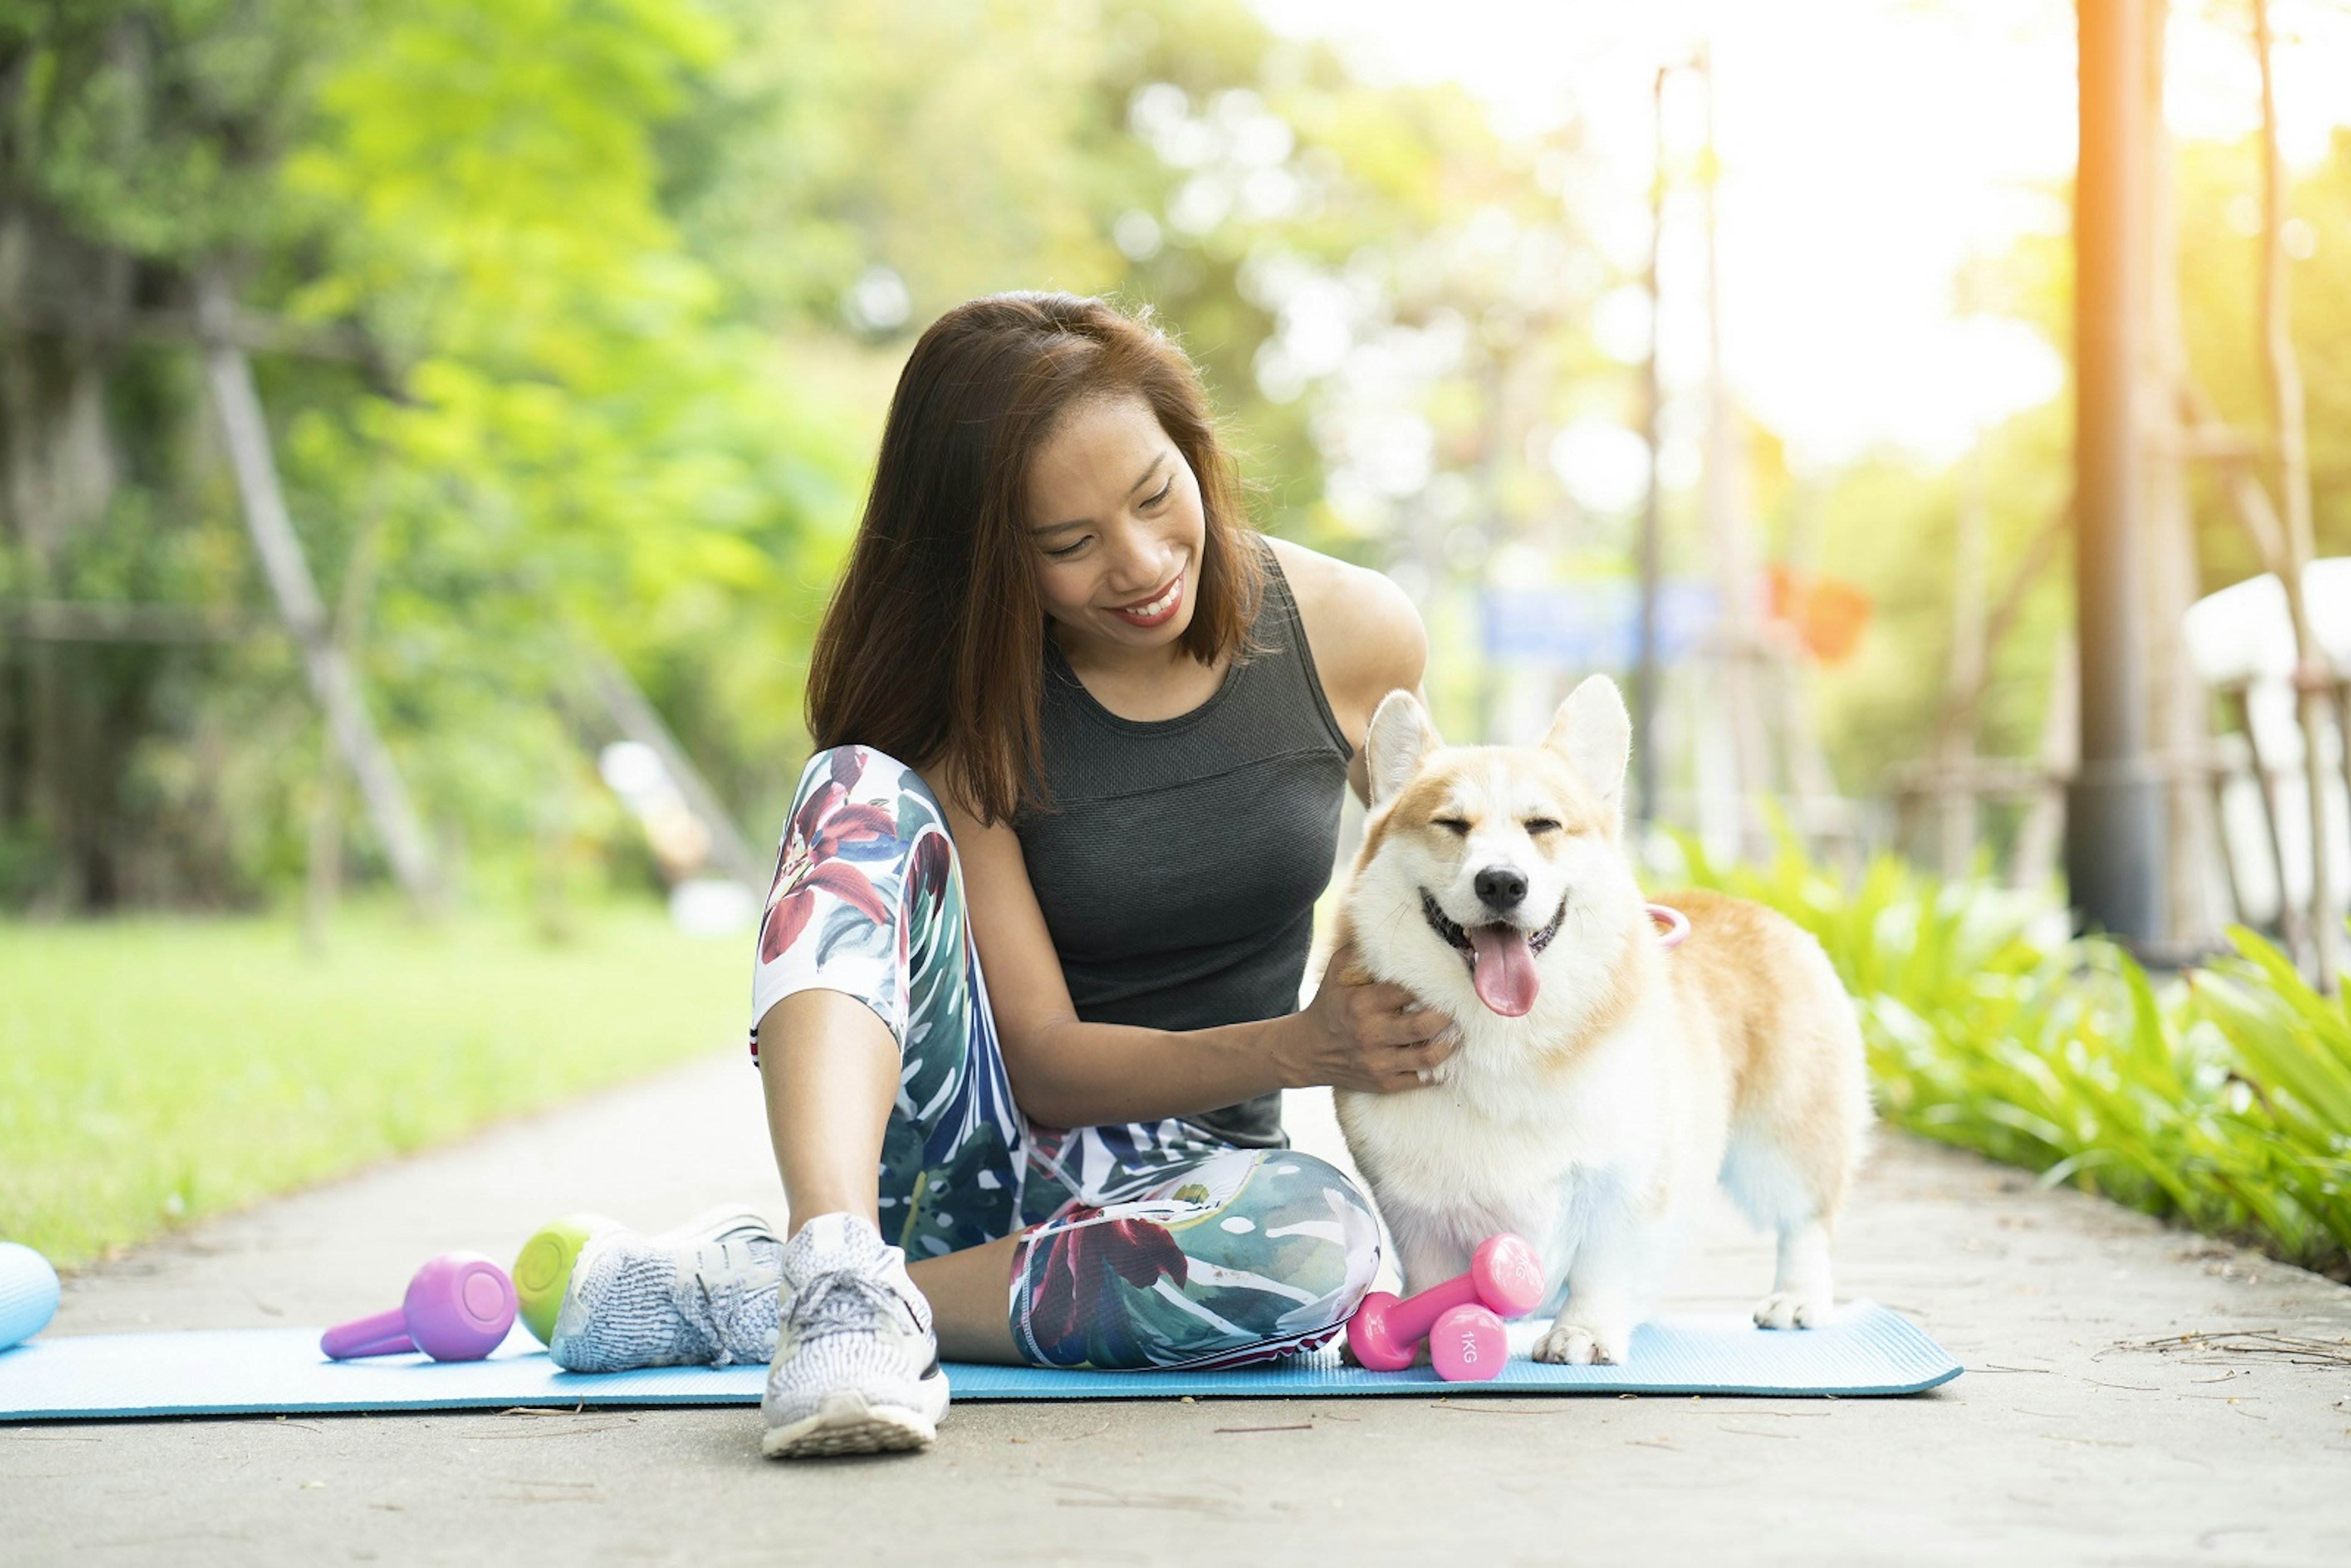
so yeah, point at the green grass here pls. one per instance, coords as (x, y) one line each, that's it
(2221, 1099)
(155, 1072)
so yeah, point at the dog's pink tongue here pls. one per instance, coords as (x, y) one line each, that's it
(1505, 972)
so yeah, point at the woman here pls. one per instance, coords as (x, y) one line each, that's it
(1083, 731)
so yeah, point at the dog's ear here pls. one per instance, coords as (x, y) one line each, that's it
(1595, 735)
(1400, 737)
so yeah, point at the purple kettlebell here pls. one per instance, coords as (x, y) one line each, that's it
(458, 1308)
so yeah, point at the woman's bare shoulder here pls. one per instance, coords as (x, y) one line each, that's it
(1365, 634)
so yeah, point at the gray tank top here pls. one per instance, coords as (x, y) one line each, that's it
(1179, 867)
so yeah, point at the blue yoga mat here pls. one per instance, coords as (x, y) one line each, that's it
(1868, 1351)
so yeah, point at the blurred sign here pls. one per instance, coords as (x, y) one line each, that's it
(1595, 625)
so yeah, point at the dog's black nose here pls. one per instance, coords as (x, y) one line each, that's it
(1501, 887)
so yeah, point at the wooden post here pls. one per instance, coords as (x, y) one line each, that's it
(2039, 836)
(1740, 641)
(2181, 708)
(229, 376)
(1644, 665)
(2291, 925)
(1969, 670)
(1832, 835)
(2114, 839)
(2311, 679)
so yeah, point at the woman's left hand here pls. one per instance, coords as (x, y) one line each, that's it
(1363, 1034)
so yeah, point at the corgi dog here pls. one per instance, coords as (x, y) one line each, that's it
(1603, 1082)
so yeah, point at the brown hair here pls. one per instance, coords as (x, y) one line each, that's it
(933, 647)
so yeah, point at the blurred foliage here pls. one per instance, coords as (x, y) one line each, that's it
(2221, 1100)
(596, 305)
(2220, 276)
(1891, 523)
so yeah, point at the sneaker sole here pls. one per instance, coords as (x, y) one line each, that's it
(846, 1423)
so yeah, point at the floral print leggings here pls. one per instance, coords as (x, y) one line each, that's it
(1149, 1244)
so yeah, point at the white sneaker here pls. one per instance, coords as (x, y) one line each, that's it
(702, 1294)
(856, 1369)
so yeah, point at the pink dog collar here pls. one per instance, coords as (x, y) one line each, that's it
(1674, 924)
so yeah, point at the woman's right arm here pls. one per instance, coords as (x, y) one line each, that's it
(1355, 1034)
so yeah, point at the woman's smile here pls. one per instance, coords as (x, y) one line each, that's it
(1158, 609)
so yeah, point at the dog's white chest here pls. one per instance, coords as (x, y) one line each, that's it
(1498, 1143)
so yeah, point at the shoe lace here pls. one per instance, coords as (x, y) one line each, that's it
(721, 1281)
(840, 1302)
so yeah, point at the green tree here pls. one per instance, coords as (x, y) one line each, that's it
(597, 305)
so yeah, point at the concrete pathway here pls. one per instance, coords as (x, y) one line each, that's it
(2077, 1435)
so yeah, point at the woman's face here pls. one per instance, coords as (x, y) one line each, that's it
(1114, 518)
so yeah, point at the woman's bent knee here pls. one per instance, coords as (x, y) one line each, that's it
(1246, 1256)
(863, 889)
(864, 772)
(1307, 1208)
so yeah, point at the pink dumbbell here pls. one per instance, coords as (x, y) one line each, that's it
(458, 1308)
(1461, 1319)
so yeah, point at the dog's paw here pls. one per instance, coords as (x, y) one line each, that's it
(1578, 1345)
(1793, 1310)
